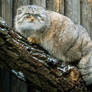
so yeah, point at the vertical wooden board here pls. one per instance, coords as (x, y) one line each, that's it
(61, 6)
(90, 2)
(7, 11)
(72, 10)
(39, 2)
(49, 4)
(0, 8)
(55, 5)
(18, 3)
(86, 15)
(58, 6)
(68, 8)
(90, 17)
(18, 85)
(76, 11)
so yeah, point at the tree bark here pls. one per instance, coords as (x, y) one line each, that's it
(17, 54)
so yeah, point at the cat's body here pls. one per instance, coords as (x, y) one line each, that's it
(58, 35)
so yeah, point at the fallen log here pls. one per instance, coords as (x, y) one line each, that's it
(44, 72)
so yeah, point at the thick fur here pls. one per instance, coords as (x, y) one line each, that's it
(58, 35)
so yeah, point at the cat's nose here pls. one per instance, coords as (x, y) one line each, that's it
(31, 19)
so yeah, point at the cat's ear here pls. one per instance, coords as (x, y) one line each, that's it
(19, 11)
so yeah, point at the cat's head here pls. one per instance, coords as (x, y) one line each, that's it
(31, 18)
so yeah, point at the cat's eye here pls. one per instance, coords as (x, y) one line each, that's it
(27, 14)
(36, 15)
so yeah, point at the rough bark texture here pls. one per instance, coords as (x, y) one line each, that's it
(16, 53)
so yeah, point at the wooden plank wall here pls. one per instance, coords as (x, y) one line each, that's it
(86, 15)
(80, 11)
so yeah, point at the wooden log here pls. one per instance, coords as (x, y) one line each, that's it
(17, 54)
